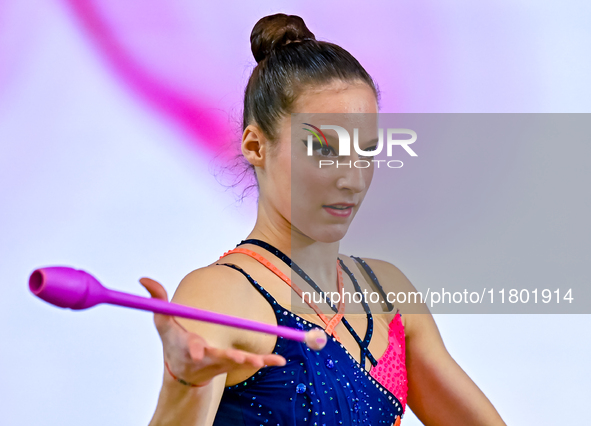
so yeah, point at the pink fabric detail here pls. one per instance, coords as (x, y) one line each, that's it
(150, 46)
(390, 370)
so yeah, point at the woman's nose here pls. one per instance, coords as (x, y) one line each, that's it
(352, 175)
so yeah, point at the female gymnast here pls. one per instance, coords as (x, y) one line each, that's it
(372, 365)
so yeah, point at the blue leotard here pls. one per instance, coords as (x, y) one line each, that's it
(328, 387)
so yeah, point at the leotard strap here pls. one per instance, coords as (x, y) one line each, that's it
(373, 277)
(330, 323)
(363, 343)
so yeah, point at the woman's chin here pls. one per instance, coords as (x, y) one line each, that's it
(327, 233)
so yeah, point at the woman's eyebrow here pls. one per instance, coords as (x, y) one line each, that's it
(335, 140)
(329, 138)
(370, 143)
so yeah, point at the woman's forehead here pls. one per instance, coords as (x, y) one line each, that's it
(337, 97)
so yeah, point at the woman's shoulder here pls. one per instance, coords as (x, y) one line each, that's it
(398, 289)
(214, 287)
(221, 289)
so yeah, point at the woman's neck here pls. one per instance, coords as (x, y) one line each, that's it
(316, 258)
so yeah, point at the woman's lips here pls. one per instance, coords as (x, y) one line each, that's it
(340, 210)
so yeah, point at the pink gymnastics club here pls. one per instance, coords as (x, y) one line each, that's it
(76, 289)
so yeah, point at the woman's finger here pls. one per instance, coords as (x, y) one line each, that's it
(274, 360)
(157, 291)
(242, 358)
(196, 345)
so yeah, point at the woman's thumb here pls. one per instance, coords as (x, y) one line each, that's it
(155, 289)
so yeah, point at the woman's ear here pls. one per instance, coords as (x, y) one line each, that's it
(254, 145)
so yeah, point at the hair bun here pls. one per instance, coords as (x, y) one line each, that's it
(277, 30)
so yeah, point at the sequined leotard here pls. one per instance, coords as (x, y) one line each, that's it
(328, 387)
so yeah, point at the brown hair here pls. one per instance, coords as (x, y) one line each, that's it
(289, 59)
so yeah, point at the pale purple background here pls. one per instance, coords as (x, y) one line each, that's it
(103, 170)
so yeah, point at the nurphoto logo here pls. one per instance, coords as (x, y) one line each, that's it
(344, 146)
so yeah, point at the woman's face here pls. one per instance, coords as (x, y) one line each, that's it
(318, 198)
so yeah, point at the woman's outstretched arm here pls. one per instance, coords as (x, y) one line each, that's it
(198, 353)
(440, 393)
(182, 405)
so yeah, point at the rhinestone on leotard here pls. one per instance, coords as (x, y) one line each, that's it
(301, 388)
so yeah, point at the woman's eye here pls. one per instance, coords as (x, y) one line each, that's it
(323, 150)
(370, 149)
(326, 151)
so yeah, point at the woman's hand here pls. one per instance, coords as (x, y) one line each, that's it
(188, 355)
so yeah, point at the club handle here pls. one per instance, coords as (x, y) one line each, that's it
(174, 309)
(76, 289)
